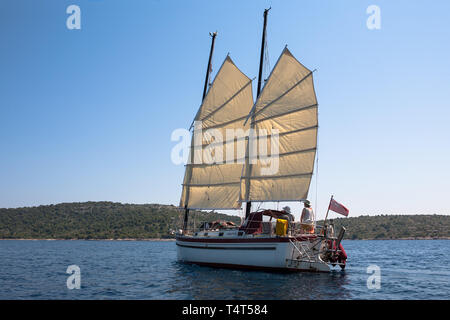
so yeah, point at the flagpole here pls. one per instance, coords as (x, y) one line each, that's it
(326, 216)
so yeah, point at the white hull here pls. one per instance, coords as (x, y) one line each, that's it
(270, 253)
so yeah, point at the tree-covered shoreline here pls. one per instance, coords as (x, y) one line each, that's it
(391, 227)
(97, 220)
(117, 221)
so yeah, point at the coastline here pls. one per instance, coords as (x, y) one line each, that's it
(173, 239)
(408, 238)
(126, 239)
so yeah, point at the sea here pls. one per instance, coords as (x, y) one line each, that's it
(77, 269)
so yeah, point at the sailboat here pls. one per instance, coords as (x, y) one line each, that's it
(283, 119)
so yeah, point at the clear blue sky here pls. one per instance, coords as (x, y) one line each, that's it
(88, 114)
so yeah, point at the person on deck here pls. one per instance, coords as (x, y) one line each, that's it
(287, 214)
(330, 229)
(307, 218)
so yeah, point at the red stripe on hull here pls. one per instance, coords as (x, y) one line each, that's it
(243, 240)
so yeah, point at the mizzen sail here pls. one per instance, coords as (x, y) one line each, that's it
(287, 108)
(212, 177)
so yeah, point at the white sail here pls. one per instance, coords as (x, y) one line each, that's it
(212, 181)
(288, 106)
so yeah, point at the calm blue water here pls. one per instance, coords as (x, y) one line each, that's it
(410, 269)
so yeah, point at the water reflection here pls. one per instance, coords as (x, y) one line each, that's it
(200, 282)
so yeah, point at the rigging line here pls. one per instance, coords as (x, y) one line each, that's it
(259, 206)
(317, 170)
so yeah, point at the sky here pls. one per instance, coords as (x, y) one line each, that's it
(87, 114)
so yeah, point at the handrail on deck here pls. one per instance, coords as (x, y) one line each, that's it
(294, 229)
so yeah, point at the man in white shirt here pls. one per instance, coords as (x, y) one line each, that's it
(307, 218)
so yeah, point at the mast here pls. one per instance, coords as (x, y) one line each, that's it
(261, 61)
(208, 72)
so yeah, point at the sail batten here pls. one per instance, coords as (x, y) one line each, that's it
(280, 177)
(211, 184)
(222, 124)
(287, 112)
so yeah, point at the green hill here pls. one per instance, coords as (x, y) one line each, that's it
(108, 220)
(97, 220)
(395, 227)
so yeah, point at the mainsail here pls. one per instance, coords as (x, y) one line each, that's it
(287, 107)
(212, 177)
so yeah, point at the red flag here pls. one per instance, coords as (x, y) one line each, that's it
(338, 208)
